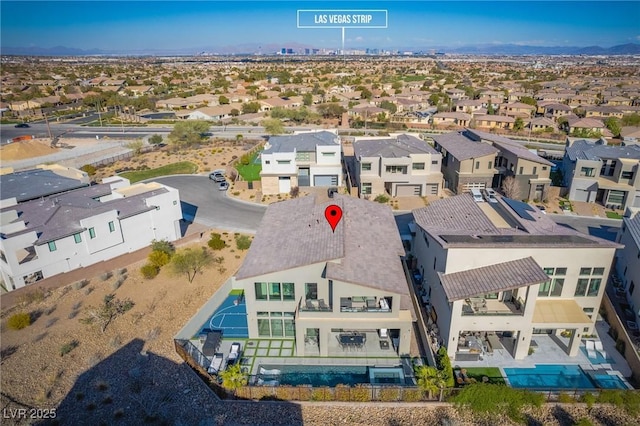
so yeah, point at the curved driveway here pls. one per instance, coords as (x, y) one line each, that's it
(203, 203)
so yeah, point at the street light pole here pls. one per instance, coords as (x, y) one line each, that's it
(99, 115)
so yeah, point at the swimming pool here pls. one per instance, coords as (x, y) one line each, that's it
(550, 376)
(332, 375)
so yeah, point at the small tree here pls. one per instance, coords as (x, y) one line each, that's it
(223, 100)
(149, 271)
(429, 379)
(272, 126)
(233, 378)
(294, 192)
(518, 124)
(110, 309)
(158, 258)
(190, 262)
(511, 187)
(155, 139)
(307, 99)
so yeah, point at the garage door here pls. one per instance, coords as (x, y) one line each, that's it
(408, 190)
(432, 189)
(474, 185)
(284, 185)
(325, 180)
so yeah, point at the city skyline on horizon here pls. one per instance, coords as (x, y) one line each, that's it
(268, 25)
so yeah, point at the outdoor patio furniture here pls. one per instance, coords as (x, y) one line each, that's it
(322, 304)
(384, 344)
(591, 349)
(216, 363)
(270, 382)
(271, 372)
(211, 343)
(234, 353)
(352, 340)
(600, 349)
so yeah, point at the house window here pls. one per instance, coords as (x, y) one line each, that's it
(556, 289)
(598, 271)
(92, 233)
(544, 289)
(52, 246)
(544, 168)
(112, 227)
(365, 188)
(587, 172)
(535, 171)
(521, 170)
(328, 154)
(397, 169)
(561, 271)
(267, 161)
(365, 167)
(588, 310)
(261, 291)
(434, 162)
(311, 291)
(288, 291)
(489, 165)
(283, 161)
(585, 271)
(77, 238)
(627, 175)
(477, 165)
(274, 291)
(303, 156)
(581, 287)
(276, 324)
(594, 287)
(417, 166)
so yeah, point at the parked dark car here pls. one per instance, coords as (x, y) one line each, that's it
(22, 125)
(331, 191)
(223, 186)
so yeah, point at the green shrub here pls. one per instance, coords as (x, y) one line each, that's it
(382, 199)
(149, 271)
(389, 394)
(304, 392)
(412, 395)
(565, 398)
(158, 258)
(589, 399)
(489, 400)
(444, 365)
(68, 347)
(243, 242)
(322, 394)
(19, 321)
(343, 392)
(361, 393)
(89, 169)
(216, 242)
(164, 246)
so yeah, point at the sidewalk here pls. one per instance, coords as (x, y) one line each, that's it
(10, 299)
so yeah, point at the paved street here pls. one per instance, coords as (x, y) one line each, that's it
(203, 203)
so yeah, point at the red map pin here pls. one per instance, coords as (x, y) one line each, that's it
(333, 214)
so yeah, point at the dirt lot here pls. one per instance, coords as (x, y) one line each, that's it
(26, 149)
(35, 374)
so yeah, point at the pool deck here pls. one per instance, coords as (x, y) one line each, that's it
(547, 351)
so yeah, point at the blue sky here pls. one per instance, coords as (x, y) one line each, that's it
(128, 25)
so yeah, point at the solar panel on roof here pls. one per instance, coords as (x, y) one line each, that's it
(520, 208)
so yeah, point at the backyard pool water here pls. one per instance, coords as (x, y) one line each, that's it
(550, 376)
(332, 375)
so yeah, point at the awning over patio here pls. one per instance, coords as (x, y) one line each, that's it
(493, 278)
(559, 314)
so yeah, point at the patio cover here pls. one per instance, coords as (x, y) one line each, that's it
(491, 279)
(559, 314)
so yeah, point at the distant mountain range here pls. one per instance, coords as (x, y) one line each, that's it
(489, 49)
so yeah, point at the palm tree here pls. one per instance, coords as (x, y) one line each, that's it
(429, 379)
(233, 378)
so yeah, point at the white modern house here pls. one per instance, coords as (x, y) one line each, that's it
(499, 273)
(628, 258)
(63, 232)
(302, 159)
(341, 293)
(399, 165)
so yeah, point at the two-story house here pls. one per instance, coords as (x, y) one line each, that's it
(530, 171)
(306, 282)
(601, 173)
(63, 232)
(302, 159)
(400, 165)
(466, 164)
(498, 274)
